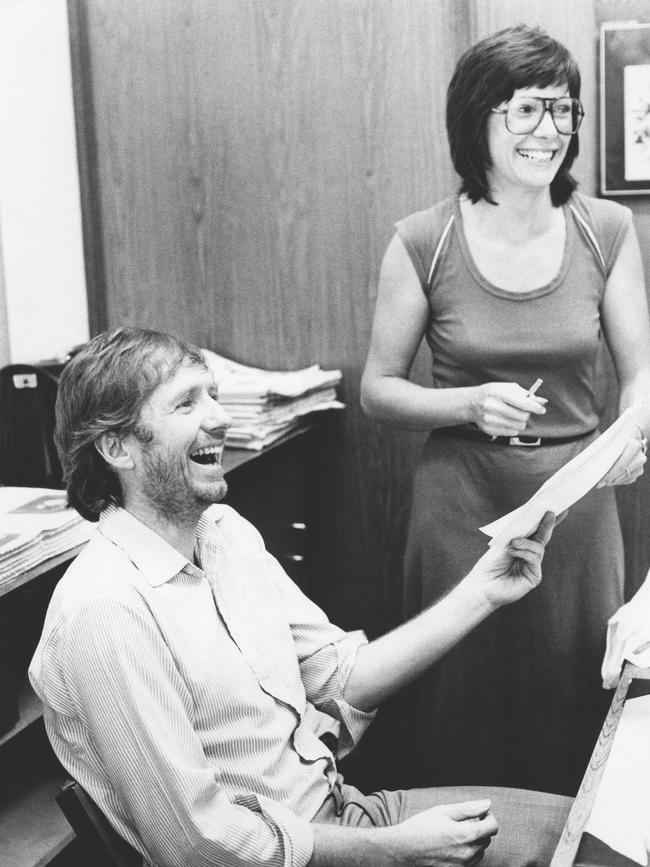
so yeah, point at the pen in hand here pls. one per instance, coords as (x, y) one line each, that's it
(531, 391)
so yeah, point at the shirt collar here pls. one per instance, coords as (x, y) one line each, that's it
(155, 558)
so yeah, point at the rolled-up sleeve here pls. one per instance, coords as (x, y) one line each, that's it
(325, 674)
(126, 689)
(326, 655)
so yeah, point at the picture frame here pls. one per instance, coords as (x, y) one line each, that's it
(625, 109)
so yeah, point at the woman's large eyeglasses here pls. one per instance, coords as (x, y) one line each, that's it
(524, 114)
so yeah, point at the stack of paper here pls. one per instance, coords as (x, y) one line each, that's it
(568, 484)
(35, 525)
(264, 404)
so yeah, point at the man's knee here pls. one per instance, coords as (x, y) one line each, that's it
(530, 823)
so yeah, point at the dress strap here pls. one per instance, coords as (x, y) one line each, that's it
(589, 232)
(438, 251)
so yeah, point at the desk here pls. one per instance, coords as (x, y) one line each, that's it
(603, 806)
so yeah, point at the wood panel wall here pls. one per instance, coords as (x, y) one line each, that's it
(633, 501)
(248, 162)
(243, 163)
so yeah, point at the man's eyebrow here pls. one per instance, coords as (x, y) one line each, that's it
(210, 385)
(186, 391)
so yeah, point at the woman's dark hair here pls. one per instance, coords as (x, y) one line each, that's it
(487, 75)
(102, 389)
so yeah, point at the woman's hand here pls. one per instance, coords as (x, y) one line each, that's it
(503, 408)
(630, 464)
(504, 575)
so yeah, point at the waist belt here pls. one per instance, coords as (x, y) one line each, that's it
(477, 435)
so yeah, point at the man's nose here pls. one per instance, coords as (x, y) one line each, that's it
(216, 416)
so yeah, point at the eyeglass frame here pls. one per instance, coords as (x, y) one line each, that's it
(548, 107)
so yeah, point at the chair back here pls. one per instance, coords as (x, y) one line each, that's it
(28, 456)
(102, 844)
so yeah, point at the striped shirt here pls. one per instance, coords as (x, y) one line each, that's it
(175, 694)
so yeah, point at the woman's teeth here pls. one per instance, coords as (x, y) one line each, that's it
(537, 156)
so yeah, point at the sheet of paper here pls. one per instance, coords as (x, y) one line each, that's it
(620, 816)
(639, 656)
(568, 484)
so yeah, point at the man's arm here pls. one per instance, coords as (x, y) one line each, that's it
(498, 578)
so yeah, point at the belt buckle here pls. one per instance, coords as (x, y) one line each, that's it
(515, 441)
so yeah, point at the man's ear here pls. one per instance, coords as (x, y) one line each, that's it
(115, 451)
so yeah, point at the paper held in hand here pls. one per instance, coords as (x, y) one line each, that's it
(569, 483)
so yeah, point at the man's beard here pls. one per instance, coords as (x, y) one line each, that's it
(169, 492)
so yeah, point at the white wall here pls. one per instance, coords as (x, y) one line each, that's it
(42, 287)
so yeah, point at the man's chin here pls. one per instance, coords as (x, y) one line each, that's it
(214, 493)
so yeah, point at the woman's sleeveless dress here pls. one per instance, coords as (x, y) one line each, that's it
(518, 702)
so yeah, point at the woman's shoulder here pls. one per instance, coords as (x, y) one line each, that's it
(601, 214)
(421, 231)
(427, 220)
(604, 224)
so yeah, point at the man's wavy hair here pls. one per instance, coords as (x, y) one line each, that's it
(487, 75)
(102, 389)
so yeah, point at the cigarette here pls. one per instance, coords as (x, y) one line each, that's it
(531, 391)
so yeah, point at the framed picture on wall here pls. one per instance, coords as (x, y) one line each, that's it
(625, 109)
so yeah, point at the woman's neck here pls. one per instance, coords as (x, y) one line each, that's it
(517, 245)
(517, 214)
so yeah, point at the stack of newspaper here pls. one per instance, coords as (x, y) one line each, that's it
(265, 405)
(35, 525)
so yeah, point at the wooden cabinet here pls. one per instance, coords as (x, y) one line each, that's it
(271, 489)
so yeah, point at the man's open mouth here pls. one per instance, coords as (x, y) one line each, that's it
(207, 455)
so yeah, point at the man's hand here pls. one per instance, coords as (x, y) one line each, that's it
(442, 836)
(504, 575)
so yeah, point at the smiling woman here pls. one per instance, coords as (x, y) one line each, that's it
(518, 278)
